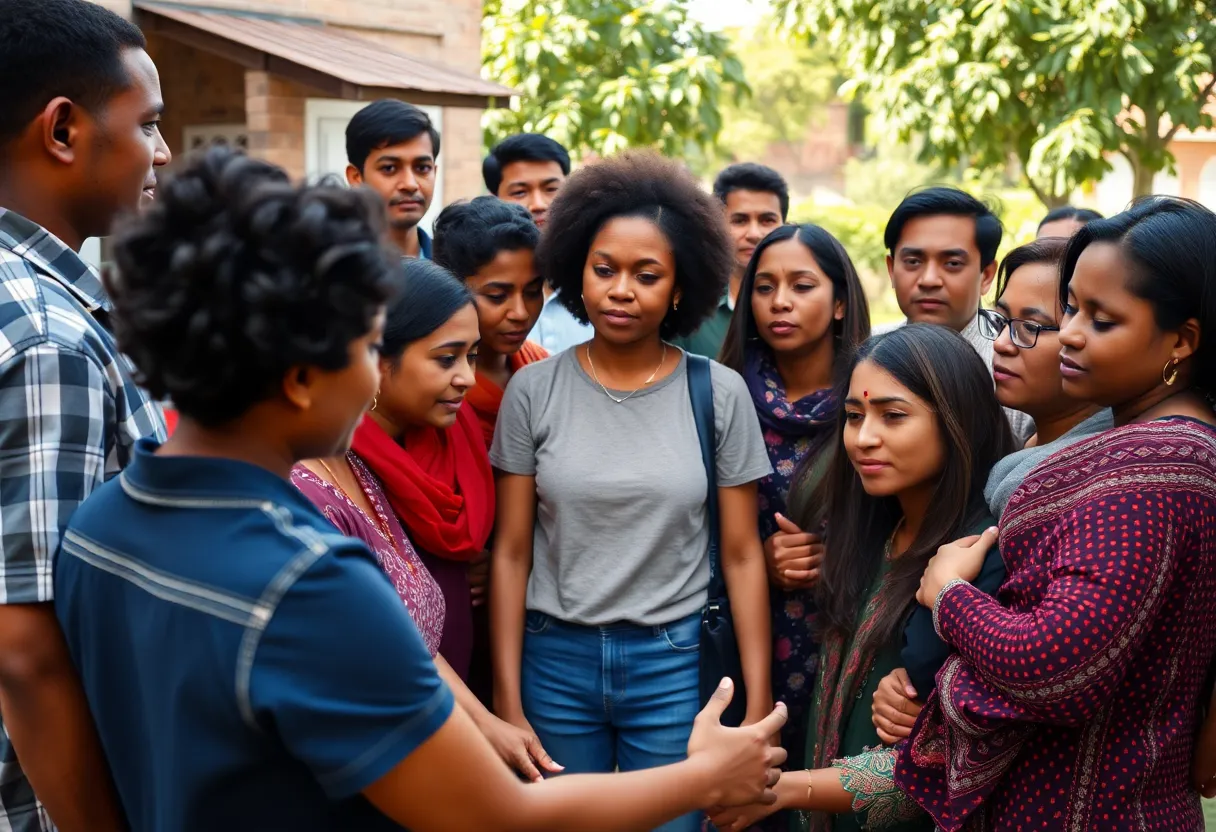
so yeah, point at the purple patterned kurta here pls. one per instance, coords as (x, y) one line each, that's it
(414, 584)
(1072, 702)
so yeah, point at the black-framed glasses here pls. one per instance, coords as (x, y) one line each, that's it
(1024, 334)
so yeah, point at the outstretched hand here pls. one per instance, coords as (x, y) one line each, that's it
(744, 764)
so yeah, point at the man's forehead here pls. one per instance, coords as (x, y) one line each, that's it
(532, 169)
(742, 199)
(940, 232)
(419, 147)
(143, 81)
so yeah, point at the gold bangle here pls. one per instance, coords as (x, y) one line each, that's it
(810, 787)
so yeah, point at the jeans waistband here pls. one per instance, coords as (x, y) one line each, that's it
(617, 626)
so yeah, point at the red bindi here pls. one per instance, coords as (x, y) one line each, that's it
(865, 394)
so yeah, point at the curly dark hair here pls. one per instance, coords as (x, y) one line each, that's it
(639, 183)
(234, 276)
(469, 235)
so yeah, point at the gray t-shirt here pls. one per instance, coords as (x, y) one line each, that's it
(621, 530)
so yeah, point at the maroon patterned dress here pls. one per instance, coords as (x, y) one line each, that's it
(1072, 701)
(409, 576)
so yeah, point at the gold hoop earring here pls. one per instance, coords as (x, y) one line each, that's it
(1172, 377)
(375, 401)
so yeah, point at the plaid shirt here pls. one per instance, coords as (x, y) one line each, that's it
(70, 414)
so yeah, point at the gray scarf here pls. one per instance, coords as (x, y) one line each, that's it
(1009, 473)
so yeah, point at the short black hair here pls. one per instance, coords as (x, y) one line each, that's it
(427, 296)
(1070, 212)
(749, 176)
(1171, 243)
(52, 48)
(640, 183)
(468, 235)
(385, 123)
(1049, 251)
(938, 201)
(522, 147)
(234, 276)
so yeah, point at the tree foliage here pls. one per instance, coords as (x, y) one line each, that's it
(1056, 84)
(602, 75)
(790, 85)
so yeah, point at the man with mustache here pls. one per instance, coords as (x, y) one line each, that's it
(393, 148)
(941, 258)
(79, 145)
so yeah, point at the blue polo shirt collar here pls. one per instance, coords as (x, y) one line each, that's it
(180, 480)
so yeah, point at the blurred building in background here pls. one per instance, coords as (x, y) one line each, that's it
(283, 77)
(1194, 175)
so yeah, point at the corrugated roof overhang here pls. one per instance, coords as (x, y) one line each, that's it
(321, 56)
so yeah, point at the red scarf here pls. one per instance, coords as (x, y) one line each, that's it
(438, 481)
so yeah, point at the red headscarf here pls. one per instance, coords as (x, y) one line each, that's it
(439, 483)
(485, 397)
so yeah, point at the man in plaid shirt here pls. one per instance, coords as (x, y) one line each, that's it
(79, 144)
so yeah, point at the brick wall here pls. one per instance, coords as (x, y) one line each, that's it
(199, 88)
(202, 89)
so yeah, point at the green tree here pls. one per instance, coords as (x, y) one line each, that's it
(602, 75)
(790, 85)
(1054, 84)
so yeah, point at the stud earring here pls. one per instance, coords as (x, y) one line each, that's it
(1172, 377)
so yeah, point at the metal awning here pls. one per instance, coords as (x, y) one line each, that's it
(334, 62)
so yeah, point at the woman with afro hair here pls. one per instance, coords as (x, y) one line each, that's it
(600, 566)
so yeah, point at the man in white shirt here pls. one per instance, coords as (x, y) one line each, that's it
(941, 258)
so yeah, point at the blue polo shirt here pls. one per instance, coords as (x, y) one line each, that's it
(247, 667)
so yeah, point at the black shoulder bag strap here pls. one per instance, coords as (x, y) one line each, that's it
(719, 648)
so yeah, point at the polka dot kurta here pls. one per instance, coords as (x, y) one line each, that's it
(1072, 702)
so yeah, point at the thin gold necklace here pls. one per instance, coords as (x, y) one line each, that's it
(594, 375)
(383, 526)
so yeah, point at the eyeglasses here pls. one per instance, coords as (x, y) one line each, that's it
(1025, 334)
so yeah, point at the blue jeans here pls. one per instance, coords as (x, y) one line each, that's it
(621, 696)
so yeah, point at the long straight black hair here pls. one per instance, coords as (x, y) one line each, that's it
(941, 369)
(847, 334)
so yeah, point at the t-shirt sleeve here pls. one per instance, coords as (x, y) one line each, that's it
(741, 455)
(342, 677)
(514, 448)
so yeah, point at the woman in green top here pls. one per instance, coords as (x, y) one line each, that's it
(919, 430)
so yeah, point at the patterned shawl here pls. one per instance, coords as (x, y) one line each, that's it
(790, 431)
(844, 669)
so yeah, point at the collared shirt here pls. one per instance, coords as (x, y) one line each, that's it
(247, 666)
(708, 338)
(557, 329)
(70, 414)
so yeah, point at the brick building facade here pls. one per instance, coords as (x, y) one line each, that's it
(282, 77)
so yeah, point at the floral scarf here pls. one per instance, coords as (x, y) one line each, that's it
(790, 430)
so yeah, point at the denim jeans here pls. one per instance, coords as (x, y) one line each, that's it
(621, 696)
